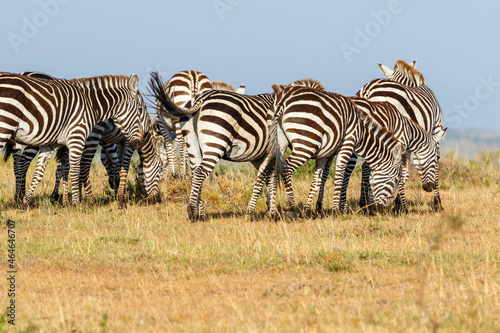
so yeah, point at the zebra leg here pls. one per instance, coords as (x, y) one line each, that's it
(317, 180)
(111, 162)
(43, 159)
(272, 183)
(61, 170)
(342, 159)
(182, 149)
(126, 157)
(403, 207)
(291, 164)
(59, 174)
(75, 153)
(184, 158)
(85, 165)
(366, 197)
(65, 175)
(400, 201)
(195, 210)
(351, 164)
(324, 177)
(257, 189)
(437, 198)
(22, 163)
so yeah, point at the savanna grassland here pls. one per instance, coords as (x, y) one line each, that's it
(97, 268)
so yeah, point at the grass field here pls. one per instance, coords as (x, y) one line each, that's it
(96, 268)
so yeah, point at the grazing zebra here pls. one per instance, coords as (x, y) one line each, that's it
(405, 89)
(425, 146)
(222, 124)
(321, 125)
(182, 87)
(55, 113)
(116, 155)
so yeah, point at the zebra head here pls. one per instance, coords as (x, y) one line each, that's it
(151, 162)
(385, 176)
(404, 73)
(426, 161)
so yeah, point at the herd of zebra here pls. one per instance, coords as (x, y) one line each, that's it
(386, 121)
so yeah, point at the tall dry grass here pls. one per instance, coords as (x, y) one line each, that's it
(96, 268)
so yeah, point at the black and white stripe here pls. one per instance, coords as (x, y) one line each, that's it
(418, 141)
(55, 113)
(222, 125)
(321, 125)
(182, 88)
(406, 90)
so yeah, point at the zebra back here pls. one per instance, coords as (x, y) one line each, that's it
(417, 103)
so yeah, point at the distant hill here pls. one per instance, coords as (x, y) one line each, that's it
(470, 142)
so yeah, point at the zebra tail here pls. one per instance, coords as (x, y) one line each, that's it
(276, 157)
(61, 154)
(171, 110)
(8, 151)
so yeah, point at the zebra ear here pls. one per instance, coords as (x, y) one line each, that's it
(277, 88)
(439, 135)
(241, 89)
(133, 83)
(385, 70)
(160, 142)
(414, 64)
(397, 152)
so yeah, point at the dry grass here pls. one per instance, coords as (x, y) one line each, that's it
(96, 268)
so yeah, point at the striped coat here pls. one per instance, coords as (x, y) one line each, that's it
(222, 125)
(56, 113)
(406, 90)
(321, 125)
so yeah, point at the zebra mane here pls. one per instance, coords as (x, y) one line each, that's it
(220, 85)
(108, 81)
(311, 83)
(409, 72)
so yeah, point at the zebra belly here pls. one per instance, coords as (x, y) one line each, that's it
(30, 138)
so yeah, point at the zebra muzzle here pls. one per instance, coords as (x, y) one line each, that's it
(428, 187)
(135, 143)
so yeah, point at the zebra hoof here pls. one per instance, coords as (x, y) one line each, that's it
(122, 204)
(153, 199)
(192, 214)
(55, 198)
(320, 213)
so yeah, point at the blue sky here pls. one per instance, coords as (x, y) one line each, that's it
(264, 42)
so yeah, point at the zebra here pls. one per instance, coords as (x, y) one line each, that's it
(405, 88)
(424, 146)
(23, 158)
(55, 113)
(183, 87)
(116, 155)
(222, 124)
(321, 125)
